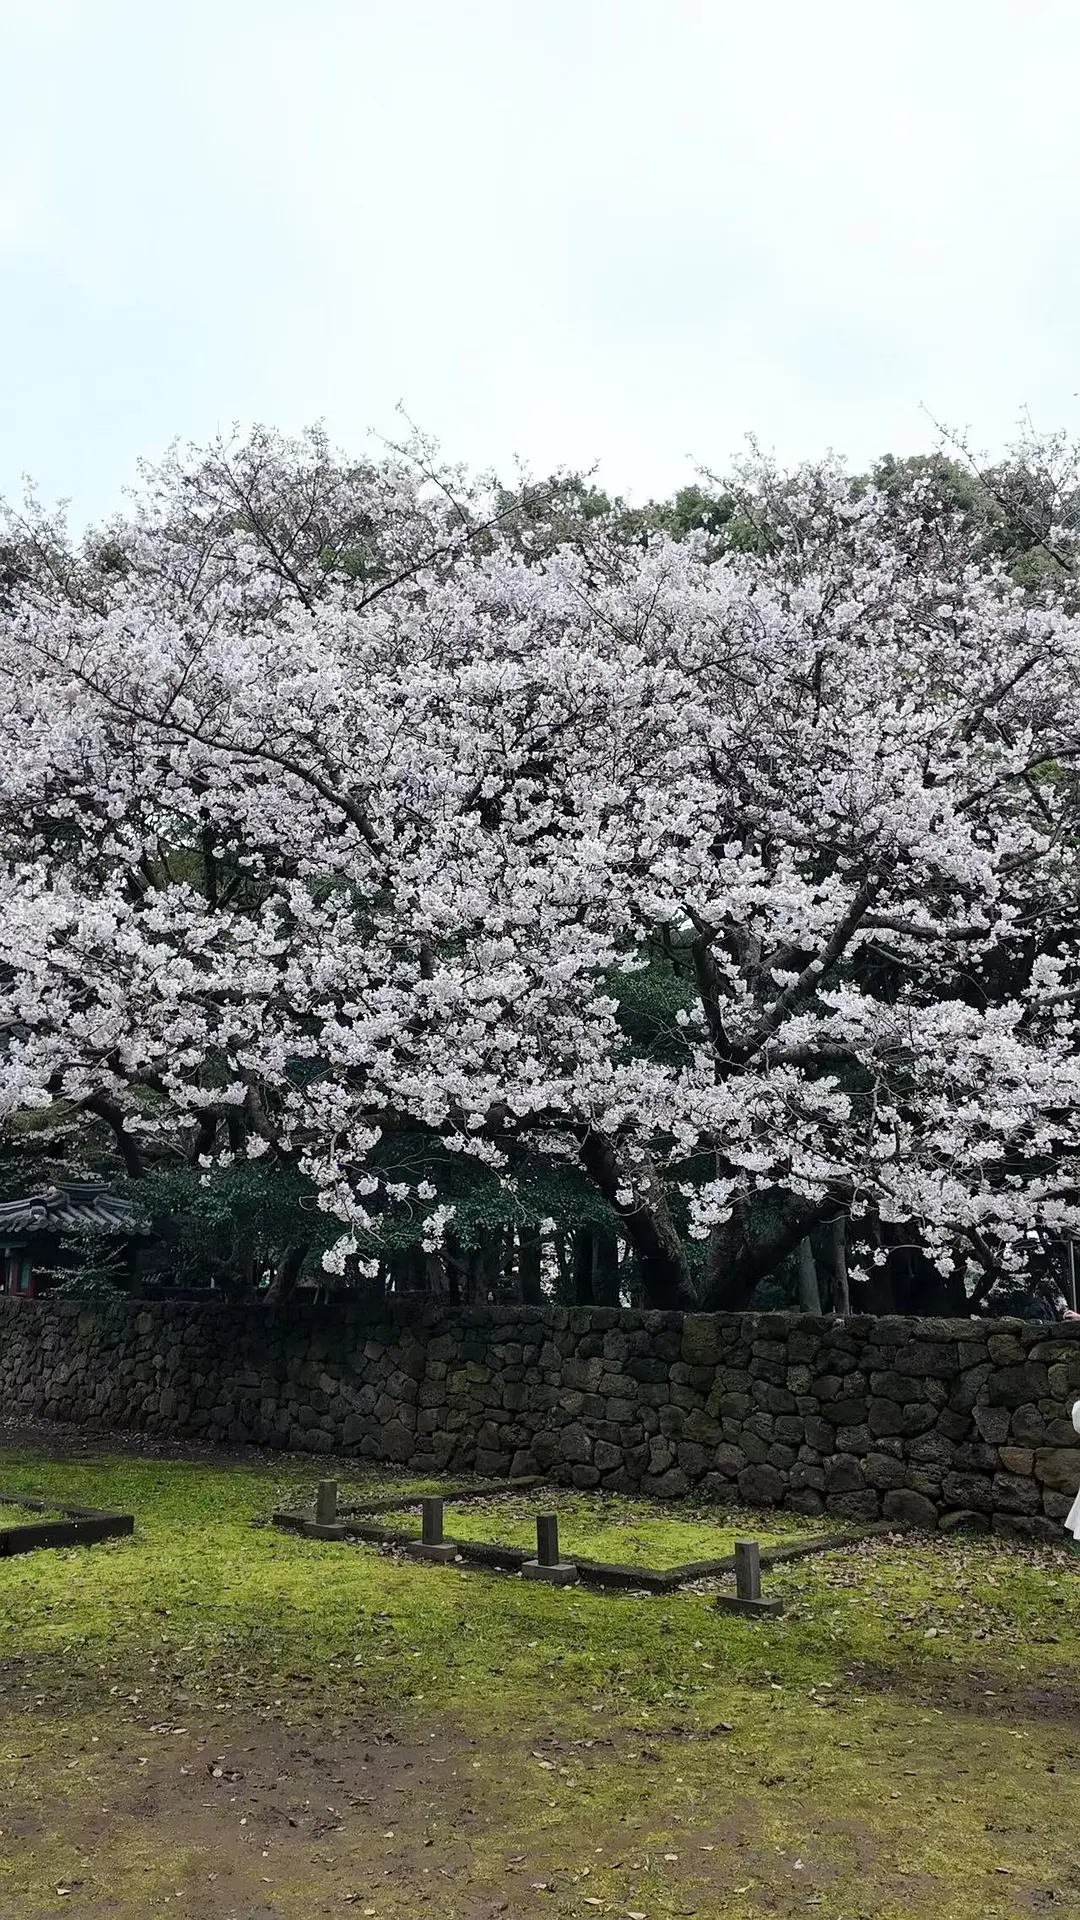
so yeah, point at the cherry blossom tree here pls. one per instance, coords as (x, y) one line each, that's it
(330, 810)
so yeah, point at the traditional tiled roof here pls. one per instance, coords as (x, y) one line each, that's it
(68, 1208)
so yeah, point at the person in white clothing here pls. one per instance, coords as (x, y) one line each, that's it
(1073, 1522)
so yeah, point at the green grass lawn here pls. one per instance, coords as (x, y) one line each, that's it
(216, 1719)
(17, 1516)
(607, 1527)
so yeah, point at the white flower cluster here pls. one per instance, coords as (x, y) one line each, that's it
(331, 849)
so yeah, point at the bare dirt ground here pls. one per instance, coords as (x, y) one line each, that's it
(260, 1808)
(279, 1824)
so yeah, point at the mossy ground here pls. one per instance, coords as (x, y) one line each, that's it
(15, 1516)
(606, 1527)
(215, 1719)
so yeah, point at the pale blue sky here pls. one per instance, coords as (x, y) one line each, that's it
(618, 230)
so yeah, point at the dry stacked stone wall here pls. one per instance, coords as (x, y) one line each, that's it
(930, 1422)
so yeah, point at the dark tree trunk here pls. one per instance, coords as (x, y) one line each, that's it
(583, 1267)
(955, 1290)
(647, 1224)
(630, 1278)
(202, 1138)
(485, 1266)
(809, 1291)
(409, 1269)
(530, 1249)
(564, 1285)
(286, 1274)
(737, 1259)
(831, 1247)
(107, 1110)
(508, 1277)
(437, 1281)
(456, 1273)
(877, 1292)
(918, 1285)
(606, 1268)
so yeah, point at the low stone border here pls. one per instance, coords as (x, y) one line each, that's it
(80, 1526)
(355, 1524)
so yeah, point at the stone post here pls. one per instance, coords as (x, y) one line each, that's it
(431, 1545)
(547, 1565)
(747, 1595)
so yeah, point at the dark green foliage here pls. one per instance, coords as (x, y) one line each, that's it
(232, 1224)
(92, 1284)
(89, 1264)
(948, 486)
(1017, 513)
(650, 1001)
(531, 1191)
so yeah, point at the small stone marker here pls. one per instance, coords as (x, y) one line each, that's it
(748, 1569)
(747, 1595)
(547, 1539)
(547, 1565)
(431, 1545)
(326, 1525)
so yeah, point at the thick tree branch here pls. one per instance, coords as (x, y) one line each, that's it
(813, 974)
(646, 1222)
(107, 1110)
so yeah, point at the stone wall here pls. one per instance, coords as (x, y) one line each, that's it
(916, 1420)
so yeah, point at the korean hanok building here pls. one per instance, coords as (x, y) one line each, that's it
(36, 1233)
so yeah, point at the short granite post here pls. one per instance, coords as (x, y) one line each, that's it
(431, 1545)
(326, 1524)
(547, 1539)
(547, 1565)
(748, 1569)
(747, 1595)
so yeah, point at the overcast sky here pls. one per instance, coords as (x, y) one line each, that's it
(625, 231)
